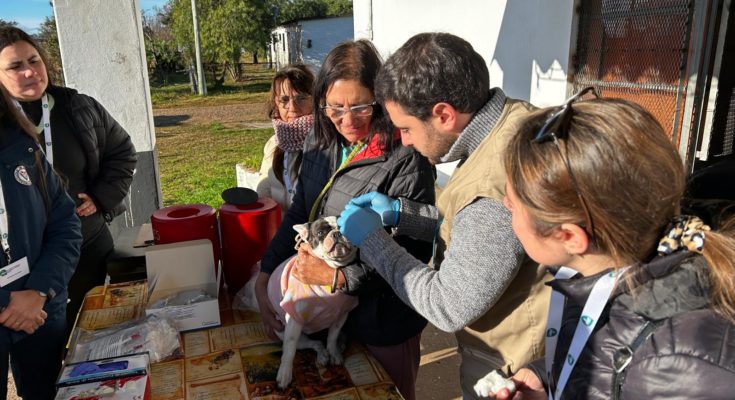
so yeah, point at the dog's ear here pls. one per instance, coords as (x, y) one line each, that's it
(331, 220)
(302, 230)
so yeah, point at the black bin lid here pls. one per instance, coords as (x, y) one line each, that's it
(239, 196)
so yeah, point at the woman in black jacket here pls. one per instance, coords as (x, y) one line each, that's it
(354, 150)
(593, 188)
(88, 148)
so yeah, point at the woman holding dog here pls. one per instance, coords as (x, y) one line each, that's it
(290, 109)
(355, 150)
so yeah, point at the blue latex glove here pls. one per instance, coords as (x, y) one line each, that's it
(356, 223)
(387, 207)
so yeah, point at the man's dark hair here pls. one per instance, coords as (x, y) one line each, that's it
(431, 68)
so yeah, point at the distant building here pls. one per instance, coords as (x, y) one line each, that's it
(308, 40)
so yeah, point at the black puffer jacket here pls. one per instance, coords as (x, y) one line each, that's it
(110, 153)
(690, 353)
(381, 318)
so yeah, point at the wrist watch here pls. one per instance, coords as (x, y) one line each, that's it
(42, 294)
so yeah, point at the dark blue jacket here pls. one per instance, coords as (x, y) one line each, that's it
(44, 229)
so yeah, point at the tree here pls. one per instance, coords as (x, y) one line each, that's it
(301, 9)
(226, 28)
(48, 39)
(4, 23)
(339, 8)
(291, 10)
(162, 54)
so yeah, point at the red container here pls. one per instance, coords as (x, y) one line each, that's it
(246, 231)
(186, 222)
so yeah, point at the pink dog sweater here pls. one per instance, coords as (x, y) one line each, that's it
(312, 306)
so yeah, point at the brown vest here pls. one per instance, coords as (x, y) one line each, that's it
(513, 329)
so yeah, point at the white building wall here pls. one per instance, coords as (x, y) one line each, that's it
(324, 34)
(526, 43)
(103, 55)
(102, 47)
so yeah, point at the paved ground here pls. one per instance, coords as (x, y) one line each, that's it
(439, 372)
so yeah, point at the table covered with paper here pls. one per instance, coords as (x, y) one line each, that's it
(233, 360)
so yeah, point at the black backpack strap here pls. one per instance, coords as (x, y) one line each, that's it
(624, 355)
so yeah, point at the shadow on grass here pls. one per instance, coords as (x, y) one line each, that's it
(169, 120)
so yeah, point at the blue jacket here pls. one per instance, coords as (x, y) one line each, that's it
(47, 231)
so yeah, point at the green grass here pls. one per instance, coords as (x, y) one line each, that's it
(253, 89)
(197, 162)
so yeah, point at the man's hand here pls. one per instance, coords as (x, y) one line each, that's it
(312, 270)
(270, 322)
(356, 223)
(387, 207)
(24, 312)
(528, 387)
(88, 207)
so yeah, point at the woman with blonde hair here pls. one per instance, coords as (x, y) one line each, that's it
(643, 300)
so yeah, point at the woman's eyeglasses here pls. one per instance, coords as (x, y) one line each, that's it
(299, 100)
(557, 128)
(360, 110)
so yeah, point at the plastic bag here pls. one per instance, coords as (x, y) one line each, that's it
(153, 334)
(245, 298)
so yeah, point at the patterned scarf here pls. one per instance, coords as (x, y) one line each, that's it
(290, 136)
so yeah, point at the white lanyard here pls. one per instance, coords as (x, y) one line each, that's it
(4, 226)
(47, 129)
(590, 314)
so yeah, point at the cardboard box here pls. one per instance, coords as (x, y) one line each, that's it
(184, 268)
(129, 388)
(103, 369)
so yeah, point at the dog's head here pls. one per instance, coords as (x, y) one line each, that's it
(327, 242)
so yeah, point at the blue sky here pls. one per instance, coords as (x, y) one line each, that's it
(29, 14)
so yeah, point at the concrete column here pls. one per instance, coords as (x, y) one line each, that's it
(103, 55)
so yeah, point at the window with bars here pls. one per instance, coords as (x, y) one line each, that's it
(636, 50)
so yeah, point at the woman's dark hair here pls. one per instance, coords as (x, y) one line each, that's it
(11, 34)
(302, 80)
(358, 61)
(10, 115)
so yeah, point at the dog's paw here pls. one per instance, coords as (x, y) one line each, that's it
(285, 374)
(335, 355)
(493, 383)
(322, 356)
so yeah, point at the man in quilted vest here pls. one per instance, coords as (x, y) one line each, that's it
(481, 285)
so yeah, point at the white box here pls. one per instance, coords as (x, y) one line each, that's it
(179, 267)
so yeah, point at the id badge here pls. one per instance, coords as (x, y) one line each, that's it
(14, 271)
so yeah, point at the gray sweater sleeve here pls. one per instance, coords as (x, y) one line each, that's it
(417, 220)
(481, 261)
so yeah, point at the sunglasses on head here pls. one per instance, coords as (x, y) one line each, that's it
(556, 128)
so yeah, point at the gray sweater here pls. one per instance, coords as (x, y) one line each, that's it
(481, 260)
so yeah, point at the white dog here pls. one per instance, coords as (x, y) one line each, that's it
(311, 308)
